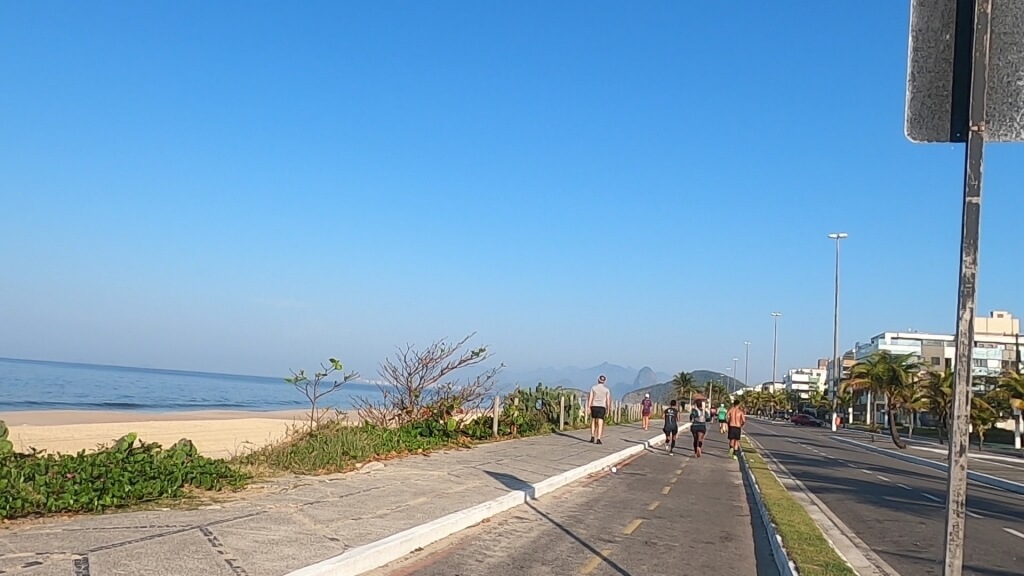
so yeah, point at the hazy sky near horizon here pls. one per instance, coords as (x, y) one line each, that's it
(250, 187)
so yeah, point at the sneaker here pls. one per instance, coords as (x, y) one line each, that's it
(734, 457)
(599, 441)
(591, 439)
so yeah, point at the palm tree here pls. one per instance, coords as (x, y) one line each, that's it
(754, 401)
(937, 397)
(1012, 385)
(894, 377)
(683, 385)
(844, 398)
(719, 393)
(818, 401)
(983, 416)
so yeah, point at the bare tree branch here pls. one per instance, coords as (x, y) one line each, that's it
(419, 385)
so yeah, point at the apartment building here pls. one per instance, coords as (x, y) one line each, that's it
(997, 348)
(802, 381)
(997, 345)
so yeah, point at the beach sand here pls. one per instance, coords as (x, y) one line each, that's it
(218, 434)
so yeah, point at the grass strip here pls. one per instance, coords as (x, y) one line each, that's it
(804, 541)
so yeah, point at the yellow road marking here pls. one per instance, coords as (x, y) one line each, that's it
(680, 471)
(632, 526)
(673, 480)
(594, 562)
(666, 489)
(653, 505)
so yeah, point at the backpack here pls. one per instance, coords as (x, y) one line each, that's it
(698, 416)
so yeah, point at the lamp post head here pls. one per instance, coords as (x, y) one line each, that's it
(776, 314)
(838, 235)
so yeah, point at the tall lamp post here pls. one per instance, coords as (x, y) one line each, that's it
(746, 364)
(735, 367)
(775, 347)
(837, 369)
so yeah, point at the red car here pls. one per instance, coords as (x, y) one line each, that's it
(806, 420)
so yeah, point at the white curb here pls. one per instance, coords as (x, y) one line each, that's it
(980, 478)
(785, 565)
(362, 559)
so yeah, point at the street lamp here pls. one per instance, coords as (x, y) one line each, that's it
(746, 364)
(775, 347)
(836, 368)
(735, 361)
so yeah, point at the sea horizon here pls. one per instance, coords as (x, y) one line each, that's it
(34, 385)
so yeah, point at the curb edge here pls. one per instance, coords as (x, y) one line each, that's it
(362, 559)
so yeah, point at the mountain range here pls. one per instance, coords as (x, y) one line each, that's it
(662, 392)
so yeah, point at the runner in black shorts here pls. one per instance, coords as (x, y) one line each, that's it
(671, 427)
(699, 417)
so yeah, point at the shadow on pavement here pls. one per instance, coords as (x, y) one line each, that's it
(514, 483)
(571, 437)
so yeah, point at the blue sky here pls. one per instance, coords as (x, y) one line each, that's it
(250, 187)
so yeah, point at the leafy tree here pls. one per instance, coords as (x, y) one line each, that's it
(891, 376)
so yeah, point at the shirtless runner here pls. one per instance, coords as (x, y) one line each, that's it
(735, 418)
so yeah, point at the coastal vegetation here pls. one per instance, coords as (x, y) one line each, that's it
(128, 472)
(423, 406)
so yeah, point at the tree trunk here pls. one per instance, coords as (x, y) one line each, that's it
(981, 440)
(893, 431)
(910, 433)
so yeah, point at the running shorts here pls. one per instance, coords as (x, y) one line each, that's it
(734, 432)
(597, 412)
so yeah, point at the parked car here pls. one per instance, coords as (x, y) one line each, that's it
(806, 420)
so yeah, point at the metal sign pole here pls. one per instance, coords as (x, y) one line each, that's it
(956, 496)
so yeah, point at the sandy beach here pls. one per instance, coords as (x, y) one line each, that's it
(219, 434)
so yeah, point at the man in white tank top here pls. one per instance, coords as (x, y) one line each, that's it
(599, 403)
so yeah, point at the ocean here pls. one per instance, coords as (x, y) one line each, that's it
(40, 385)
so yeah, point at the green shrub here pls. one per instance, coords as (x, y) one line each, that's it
(337, 447)
(123, 474)
(6, 446)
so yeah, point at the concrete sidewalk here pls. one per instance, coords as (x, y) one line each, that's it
(292, 523)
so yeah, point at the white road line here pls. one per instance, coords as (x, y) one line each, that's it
(867, 471)
(973, 514)
(904, 486)
(882, 478)
(1014, 532)
(930, 497)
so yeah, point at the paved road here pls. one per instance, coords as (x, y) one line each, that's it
(659, 515)
(896, 508)
(999, 463)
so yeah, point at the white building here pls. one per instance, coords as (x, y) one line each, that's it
(997, 348)
(802, 381)
(997, 345)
